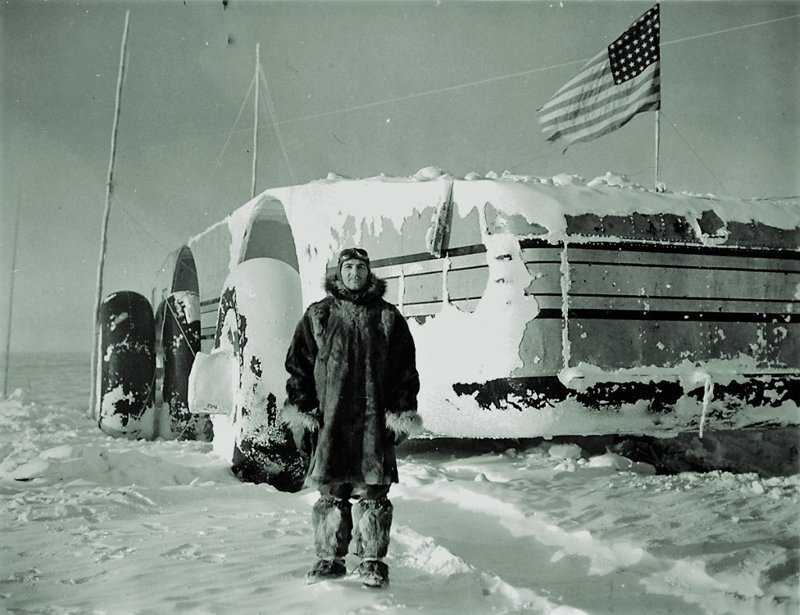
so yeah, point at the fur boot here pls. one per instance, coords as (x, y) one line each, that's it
(372, 522)
(373, 573)
(333, 525)
(326, 569)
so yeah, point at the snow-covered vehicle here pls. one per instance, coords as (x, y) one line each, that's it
(538, 307)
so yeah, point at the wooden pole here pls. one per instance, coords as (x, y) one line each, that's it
(11, 300)
(255, 126)
(104, 234)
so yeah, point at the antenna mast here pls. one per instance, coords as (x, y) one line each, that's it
(255, 124)
(11, 300)
(106, 212)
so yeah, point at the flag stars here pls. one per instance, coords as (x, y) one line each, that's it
(635, 49)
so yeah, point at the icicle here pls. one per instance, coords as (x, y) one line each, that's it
(566, 282)
(708, 394)
(437, 235)
(401, 290)
(445, 269)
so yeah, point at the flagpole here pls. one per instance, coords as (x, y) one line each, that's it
(255, 126)
(658, 143)
(106, 212)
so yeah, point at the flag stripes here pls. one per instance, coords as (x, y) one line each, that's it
(583, 121)
(573, 90)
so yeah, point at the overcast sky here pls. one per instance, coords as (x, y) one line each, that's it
(357, 89)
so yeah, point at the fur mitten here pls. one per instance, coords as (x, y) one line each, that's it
(402, 424)
(304, 426)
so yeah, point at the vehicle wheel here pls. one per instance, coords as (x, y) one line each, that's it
(181, 343)
(126, 372)
(259, 308)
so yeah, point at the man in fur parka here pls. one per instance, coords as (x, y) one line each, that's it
(351, 396)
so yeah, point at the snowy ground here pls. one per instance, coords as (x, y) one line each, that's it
(91, 524)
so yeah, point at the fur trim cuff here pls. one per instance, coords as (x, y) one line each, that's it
(404, 423)
(297, 419)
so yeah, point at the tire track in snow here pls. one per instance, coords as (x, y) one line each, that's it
(575, 565)
(492, 593)
(533, 566)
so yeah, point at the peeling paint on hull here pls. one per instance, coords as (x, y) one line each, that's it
(664, 402)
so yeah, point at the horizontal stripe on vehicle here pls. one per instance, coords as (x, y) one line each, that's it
(665, 297)
(639, 315)
(628, 249)
(405, 259)
(665, 247)
(439, 271)
(439, 302)
(675, 266)
(463, 263)
(706, 267)
(667, 315)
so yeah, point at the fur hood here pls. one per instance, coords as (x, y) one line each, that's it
(374, 289)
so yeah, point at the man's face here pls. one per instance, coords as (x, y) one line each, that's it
(354, 274)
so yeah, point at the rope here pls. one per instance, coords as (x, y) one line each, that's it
(169, 306)
(140, 224)
(147, 230)
(703, 162)
(734, 29)
(450, 88)
(183, 333)
(271, 110)
(511, 75)
(236, 121)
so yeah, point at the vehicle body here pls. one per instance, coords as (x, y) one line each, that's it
(538, 307)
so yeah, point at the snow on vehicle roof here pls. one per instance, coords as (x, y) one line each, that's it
(544, 200)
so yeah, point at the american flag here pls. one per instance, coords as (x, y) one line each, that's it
(619, 82)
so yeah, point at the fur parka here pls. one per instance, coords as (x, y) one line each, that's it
(353, 384)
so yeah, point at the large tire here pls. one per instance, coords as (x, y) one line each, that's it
(259, 308)
(181, 343)
(127, 367)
